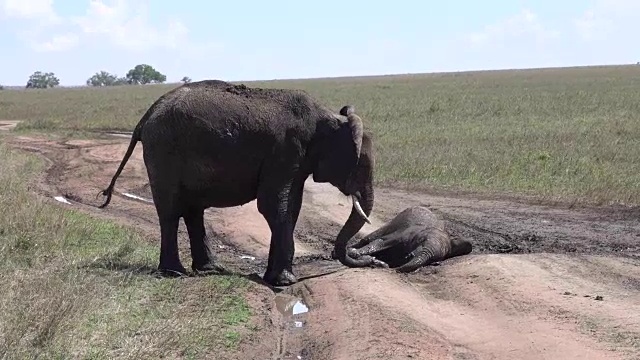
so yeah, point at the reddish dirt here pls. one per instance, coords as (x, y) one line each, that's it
(542, 281)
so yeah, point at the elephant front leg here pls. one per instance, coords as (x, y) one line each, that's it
(364, 247)
(371, 247)
(281, 210)
(281, 250)
(424, 256)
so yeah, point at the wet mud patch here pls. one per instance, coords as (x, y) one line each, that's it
(292, 321)
(526, 241)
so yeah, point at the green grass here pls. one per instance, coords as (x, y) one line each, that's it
(74, 286)
(570, 134)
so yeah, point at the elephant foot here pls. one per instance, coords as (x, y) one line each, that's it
(209, 268)
(351, 252)
(374, 263)
(173, 270)
(284, 278)
(172, 273)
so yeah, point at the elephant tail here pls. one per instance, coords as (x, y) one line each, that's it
(135, 137)
(436, 247)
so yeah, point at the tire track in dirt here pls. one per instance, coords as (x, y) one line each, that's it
(528, 304)
(8, 125)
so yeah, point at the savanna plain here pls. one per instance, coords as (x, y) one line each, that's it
(539, 168)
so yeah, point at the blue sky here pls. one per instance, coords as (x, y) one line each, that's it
(250, 40)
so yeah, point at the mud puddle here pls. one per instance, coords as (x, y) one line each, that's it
(123, 134)
(62, 199)
(136, 197)
(293, 311)
(294, 314)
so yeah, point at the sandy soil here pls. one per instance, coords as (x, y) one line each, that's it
(541, 283)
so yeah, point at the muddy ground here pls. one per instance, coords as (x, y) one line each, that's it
(542, 282)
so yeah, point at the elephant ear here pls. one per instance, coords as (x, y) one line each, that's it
(356, 126)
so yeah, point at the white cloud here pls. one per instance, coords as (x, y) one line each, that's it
(37, 10)
(57, 43)
(522, 25)
(125, 24)
(520, 40)
(35, 17)
(606, 18)
(120, 23)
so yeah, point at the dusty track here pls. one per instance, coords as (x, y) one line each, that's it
(6, 125)
(541, 283)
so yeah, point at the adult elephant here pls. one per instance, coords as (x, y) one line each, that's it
(214, 144)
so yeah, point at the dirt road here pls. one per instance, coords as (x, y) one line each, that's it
(541, 283)
(6, 125)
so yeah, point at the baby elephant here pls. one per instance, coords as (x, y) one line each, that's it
(414, 238)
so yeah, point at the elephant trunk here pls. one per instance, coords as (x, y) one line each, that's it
(355, 222)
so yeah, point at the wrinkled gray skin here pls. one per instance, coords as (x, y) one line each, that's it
(214, 144)
(414, 238)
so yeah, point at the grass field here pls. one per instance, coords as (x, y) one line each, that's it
(568, 134)
(74, 286)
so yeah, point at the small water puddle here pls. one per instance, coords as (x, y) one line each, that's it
(293, 309)
(295, 314)
(132, 196)
(62, 199)
(123, 135)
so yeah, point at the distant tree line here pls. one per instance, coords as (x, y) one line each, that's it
(40, 80)
(140, 75)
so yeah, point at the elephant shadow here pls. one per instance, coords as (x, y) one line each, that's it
(119, 260)
(137, 268)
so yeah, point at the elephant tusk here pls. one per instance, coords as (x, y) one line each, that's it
(356, 205)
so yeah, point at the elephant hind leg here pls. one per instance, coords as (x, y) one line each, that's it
(201, 252)
(164, 183)
(169, 257)
(421, 259)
